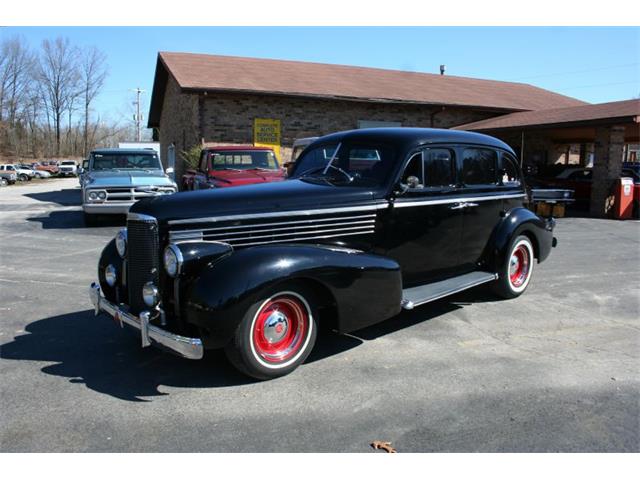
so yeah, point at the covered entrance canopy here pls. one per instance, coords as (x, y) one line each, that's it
(608, 127)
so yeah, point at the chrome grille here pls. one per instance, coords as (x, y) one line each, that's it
(143, 259)
(277, 231)
(132, 194)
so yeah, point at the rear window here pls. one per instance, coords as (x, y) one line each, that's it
(479, 166)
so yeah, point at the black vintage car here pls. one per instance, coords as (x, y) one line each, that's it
(370, 222)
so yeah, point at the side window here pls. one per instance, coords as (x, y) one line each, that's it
(203, 161)
(430, 168)
(437, 167)
(479, 166)
(509, 171)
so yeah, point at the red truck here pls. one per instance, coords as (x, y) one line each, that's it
(231, 166)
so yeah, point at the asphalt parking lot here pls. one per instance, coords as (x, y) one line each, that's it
(554, 370)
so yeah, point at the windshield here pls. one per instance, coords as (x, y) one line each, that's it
(366, 165)
(243, 160)
(68, 163)
(119, 161)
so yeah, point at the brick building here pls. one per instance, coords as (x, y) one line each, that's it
(216, 99)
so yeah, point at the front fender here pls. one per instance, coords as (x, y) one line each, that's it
(521, 221)
(108, 256)
(366, 288)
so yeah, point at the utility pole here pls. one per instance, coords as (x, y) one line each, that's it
(137, 115)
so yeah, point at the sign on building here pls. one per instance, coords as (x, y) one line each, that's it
(266, 133)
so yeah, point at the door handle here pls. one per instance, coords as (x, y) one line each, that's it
(470, 204)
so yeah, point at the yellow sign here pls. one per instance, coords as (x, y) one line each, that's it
(266, 133)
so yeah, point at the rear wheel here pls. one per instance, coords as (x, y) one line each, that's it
(516, 274)
(276, 334)
(23, 177)
(4, 182)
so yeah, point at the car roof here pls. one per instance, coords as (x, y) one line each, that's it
(412, 137)
(124, 151)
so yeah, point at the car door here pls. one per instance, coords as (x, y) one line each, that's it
(481, 201)
(423, 227)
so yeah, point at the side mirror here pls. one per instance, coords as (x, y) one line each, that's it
(401, 189)
(169, 171)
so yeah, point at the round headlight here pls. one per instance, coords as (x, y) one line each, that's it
(102, 195)
(150, 294)
(110, 275)
(93, 196)
(172, 260)
(121, 242)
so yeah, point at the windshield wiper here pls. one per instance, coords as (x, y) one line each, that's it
(309, 172)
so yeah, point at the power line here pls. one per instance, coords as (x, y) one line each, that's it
(598, 85)
(577, 71)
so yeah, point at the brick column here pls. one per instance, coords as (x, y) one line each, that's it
(607, 167)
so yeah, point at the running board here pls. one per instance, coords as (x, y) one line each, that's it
(412, 297)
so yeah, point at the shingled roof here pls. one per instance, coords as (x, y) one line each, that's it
(215, 73)
(626, 111)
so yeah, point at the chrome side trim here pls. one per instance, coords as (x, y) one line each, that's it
(186, 347)
(283, 231)
(319, 237)
(444, 201)
(314, 222)
(320, 211)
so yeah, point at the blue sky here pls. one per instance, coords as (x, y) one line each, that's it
(597, 64)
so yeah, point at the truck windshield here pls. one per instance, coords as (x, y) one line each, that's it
(244, 160)
(119, 161)
(366, 165)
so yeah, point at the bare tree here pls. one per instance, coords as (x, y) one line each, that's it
(16, 67)
(58, 74)
(93, 74)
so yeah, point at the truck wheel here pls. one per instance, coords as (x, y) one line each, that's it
(3, 182)
(516, 274)
(23, 177)
(276, 334)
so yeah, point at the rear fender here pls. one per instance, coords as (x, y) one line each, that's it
(366, 288)
(516, 222)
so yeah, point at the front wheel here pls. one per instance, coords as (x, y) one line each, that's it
(516, 274)
(23, 177)
(4, 182)
(276, 334)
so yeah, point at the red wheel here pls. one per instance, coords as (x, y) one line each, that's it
(280, 328)
(515, 277)
(276, 334)
(519, 266)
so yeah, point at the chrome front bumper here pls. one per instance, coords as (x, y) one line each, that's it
(186, 347)
(106, 208)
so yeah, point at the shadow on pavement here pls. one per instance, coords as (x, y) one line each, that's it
(107, 359)
(71, 219)
(66, 198)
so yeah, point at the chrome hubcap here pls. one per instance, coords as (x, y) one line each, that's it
(514, 265)
(275, 327)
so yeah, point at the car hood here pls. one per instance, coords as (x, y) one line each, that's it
(289, 195)
(111, 178)
(245, 177)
